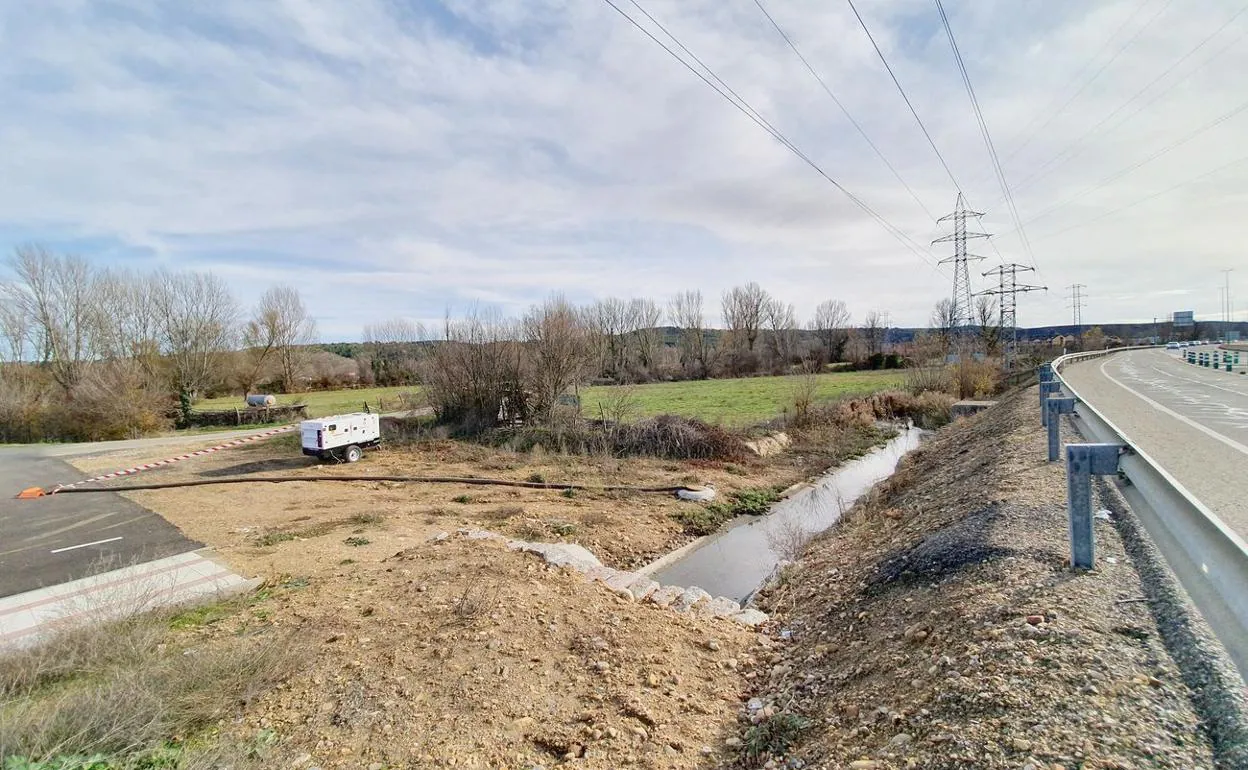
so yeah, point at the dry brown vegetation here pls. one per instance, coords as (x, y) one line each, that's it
(128, 689)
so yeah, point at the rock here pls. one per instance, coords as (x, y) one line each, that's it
(721, 607)
(733, 742)
(712, 645)
(750, 617)
(1035, 620)
(569, 555)
(754, 704)
(900, 739)
(441, 536)
(864, 764)
(666, 595)
(1021, 744)
(601, 573)
(602, 666)
(301, 760)
(642, 587)
(689, 597)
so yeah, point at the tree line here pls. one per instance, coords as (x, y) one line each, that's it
(91, 352)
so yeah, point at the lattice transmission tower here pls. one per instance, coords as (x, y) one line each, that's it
(963, 315)
(1007, 291)
(1077, 304)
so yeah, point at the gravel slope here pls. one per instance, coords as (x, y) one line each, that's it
(940, 627)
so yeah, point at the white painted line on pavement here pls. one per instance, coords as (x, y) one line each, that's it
(1232, 443)
(87, 545)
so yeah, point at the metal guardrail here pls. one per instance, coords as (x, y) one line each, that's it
(1209, 559)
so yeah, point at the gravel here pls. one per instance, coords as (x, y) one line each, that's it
(940, 627)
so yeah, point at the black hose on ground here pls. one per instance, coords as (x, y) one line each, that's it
(402, 479)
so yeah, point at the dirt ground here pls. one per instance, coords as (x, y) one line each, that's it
(940, 626)
(459, 653)
(256, 526)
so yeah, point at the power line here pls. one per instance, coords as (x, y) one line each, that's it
(744, 107)
(1053, 115)
(1123, 172)
(983, 127)
(1137, 202)
(1066, 154)
(902, 91)
(850, 117)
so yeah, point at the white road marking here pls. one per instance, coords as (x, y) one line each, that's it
(1198, 382)
(1232, 443)
(87, 545)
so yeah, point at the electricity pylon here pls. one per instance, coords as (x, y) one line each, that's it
(963, 315)
(1008, 289)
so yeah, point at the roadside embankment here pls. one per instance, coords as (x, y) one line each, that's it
(939, 626)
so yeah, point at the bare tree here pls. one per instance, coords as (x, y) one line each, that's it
(943, 322)
(744, 310)
(14, 326)
(685, 312)
(989, 324)
(475, 374)
(279, 329)
(57, 296)
(875, 331)
(782, 337)
(644, 319)
(395, 330)
(560, 352)
(609, 319)
(196, 318)
(830, 325)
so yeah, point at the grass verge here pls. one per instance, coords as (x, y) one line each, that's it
(131, 693)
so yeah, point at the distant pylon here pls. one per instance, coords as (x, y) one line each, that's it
(1077, 304)
(963, 315)
(1008, 289)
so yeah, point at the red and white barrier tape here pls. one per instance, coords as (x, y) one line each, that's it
(179, 458)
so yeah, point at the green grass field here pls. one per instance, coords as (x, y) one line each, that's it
(325, 402)
(728, 402)
(737, 402)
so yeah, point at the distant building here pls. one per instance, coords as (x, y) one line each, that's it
(1184, 319)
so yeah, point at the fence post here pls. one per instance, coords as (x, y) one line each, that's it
(1082, 461)
(1055, 407)
(1045, 389)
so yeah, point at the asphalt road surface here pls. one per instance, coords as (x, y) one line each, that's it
(1192, 420)
(49, 540)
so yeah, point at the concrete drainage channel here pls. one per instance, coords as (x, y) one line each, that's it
(632, 586)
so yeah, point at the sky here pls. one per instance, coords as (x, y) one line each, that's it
(410, 158)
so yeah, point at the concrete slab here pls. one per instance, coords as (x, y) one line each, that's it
(174, 580)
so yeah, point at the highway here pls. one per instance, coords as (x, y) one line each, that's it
(1191, 420)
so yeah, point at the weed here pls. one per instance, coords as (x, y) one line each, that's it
(536, 478)
(115, 695)
(273, 538)
(569, 493)
(462, 499)
(356, 541)
(530, 530)
(367, 518)
(505, 512)
(345, 562)
(562, 528)
(707, 519)
(204, 615)
(775, 735)
(476, 601)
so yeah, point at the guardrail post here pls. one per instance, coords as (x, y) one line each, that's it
(1045, 372)
(1082, 462)
(1056, 406)
(1045, 389)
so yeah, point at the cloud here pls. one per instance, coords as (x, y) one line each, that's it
(394, 157)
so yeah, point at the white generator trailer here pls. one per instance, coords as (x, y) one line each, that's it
(341, 437)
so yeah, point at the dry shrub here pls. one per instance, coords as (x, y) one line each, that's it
(935, 378)
(928, 410)
(976, 379)
(475, 602)
(667, 436)
(125, 688)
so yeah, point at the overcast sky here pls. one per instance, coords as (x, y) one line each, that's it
(401, 157)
